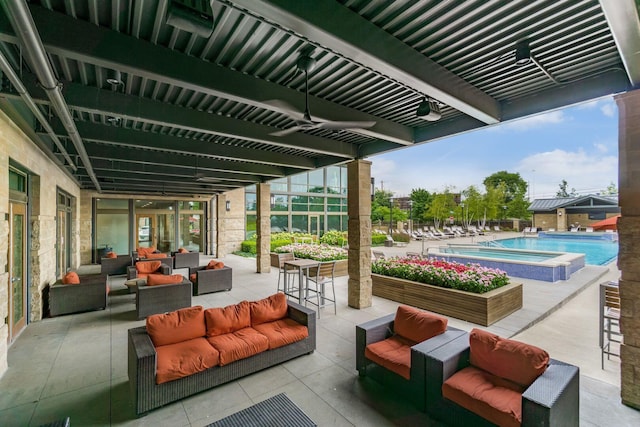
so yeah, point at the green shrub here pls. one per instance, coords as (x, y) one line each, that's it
(378, 239)
(334, 238)
(248, 246)
(401, 237)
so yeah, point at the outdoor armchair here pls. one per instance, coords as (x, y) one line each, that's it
(90, 294)
(115, 266)
(142, 268)
(185, 259)
(210, 280)
(154, 299)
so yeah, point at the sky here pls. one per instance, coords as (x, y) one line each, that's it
(578, 144)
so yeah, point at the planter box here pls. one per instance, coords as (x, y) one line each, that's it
(481, 309)
(342, 266)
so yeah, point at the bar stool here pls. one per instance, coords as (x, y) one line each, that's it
(292, 272)
(609, 319)
(317, 279)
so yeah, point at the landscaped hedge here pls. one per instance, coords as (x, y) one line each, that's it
(378, 239)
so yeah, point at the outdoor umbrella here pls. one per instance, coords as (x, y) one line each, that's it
(610, 223)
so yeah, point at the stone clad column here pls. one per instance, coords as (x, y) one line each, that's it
(221, 239)
(629, 234)
(263, 228)
(359, 209)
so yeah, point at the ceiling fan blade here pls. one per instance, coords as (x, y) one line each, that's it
(286, 132)
(345, 125)
(286, 108)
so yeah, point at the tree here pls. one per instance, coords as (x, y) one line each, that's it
(611, 190)
(421, 199)
(472, 206)
(514, 185)
(441, 207)
(562, 192)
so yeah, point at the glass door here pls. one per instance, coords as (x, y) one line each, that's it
(145, 234)
(17, 282)
(314, 226)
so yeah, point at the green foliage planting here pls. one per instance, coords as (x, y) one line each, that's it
(334, 238)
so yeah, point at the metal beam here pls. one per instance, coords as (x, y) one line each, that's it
(624, 23)
(336, 27)
(158, 178)
(111, 49)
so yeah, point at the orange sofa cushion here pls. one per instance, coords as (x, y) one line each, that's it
(239, 345)
(394, 354)
(489, 396)
(164, 279)
(183, 251)
(269, 309)
(229, 319)
(111, 255)
(215, 265)
(184, 358)
(176, 326)
(156, 256)
(71, 278)
(509, 359)
(418, 325)
(143, 252)
(147, 267)
(282, 332)
(193, 277)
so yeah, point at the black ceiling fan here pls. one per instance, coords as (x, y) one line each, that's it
(303, 121)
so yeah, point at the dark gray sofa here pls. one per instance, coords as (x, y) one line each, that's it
(148, 395)
(115, 266)
(132, 272)
(161, 298)
(208, 281)
(552, 400)
(185, 259)
(90, 294)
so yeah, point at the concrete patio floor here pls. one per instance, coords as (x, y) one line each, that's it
(76, 365)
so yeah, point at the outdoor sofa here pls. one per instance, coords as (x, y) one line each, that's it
(90, 294)
(269, 318)
(161, 298)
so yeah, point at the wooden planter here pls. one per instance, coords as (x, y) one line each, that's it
(341, 265)
(481, 309)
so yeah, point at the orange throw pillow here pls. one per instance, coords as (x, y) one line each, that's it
(176, 326)
(111, 255)
(228, 319)
(71, 278)
(147, 267)
(215, 265)
(418, 325)
(193, 277)
(156, 256)
(143, 252)
(269, 309)
(183, 251)
(164, 279)
(509, 359)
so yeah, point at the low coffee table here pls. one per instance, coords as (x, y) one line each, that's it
(132, 284)
(276, 411)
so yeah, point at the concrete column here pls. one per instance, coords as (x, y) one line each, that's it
(561, 216)
(359, 208)
(221, 238)
(629, 253)
(263, 228)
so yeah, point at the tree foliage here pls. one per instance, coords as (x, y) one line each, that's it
(514, 185)
(562, 192)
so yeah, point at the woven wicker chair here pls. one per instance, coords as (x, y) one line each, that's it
(185, 259)
(90, 294)
(207, 281)
(132, 271)
(161, 298)
(115, 266)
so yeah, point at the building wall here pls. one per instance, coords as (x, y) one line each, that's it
(42, 241)
(232, 222)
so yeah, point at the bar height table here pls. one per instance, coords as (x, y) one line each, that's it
(302, 265)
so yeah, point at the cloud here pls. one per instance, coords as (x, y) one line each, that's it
(603, 148)
(609, 109)
(534, 122)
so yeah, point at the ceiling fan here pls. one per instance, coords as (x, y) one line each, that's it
(303, 121)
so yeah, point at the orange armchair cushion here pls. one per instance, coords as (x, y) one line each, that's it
(239, 345)
(509, 359)
(214, 265)
(71, 278)
(111, 255)
(184, 358)
(282, 332)
(156, 256)
(491, 397)
(229, 319)
(143, 252)
(176, 326)
(269, 309)
(394, 354)
(418, 325)
(146, 267)
(164, 279)
(183, 251)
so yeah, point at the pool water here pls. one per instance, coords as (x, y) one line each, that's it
(597, 252)
(486, 252)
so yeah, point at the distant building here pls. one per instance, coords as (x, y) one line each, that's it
(562, 213)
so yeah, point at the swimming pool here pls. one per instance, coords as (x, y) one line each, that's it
(597, 251)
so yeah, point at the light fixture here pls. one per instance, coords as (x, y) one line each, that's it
(523, 53)
(228, 205)
(373, 188)
(115, 78)
(272, 201)
(183, 17)
(113, 120)
(429, 110)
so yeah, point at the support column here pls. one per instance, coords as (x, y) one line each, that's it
(359, 209)
(263, 228)
(221, 247)
(629, 253)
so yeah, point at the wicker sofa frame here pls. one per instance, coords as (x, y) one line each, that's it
(89, 295)
(185, 259)
(208, 281)
(132, 272)
(413, 389)
(552, 400)
(115, 266)
(142, 365)
(161, 298)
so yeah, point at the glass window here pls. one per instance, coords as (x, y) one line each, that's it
(251, 202)
(316, 181)
(333, 222)
(279, 184)
(190, 229)
(280, 202)
(316, 204)
(299, 203)
(279, 223)
(251, 226)
(299, 223)
(299, 183)
(190, 205)
(333, 179)
(17, 181)
(333, 204)
(343, 180)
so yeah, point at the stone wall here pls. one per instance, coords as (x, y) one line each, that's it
(230, 223)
